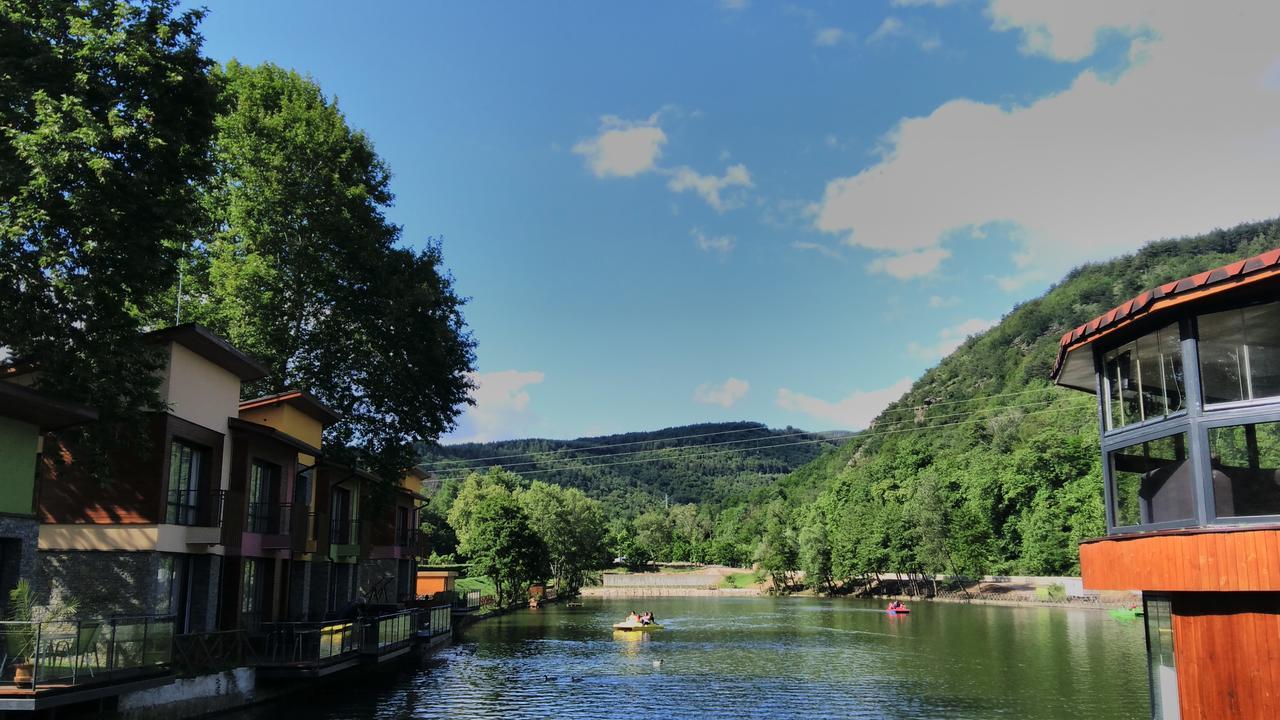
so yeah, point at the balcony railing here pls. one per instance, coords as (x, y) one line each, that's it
(343, 531)
(268, 518)
(437, 620)
(306, 645)
(76, 652)
(386, 633)
(194, 508)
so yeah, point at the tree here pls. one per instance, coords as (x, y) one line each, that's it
(299, 267)
(475, 489)
(106, 116)
(815, 554)
(572, 526)
(777, 553)
(503, 546)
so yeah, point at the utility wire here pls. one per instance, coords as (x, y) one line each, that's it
(867, 434)
(757, 440)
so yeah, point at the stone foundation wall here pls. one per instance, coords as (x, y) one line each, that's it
(103, 583)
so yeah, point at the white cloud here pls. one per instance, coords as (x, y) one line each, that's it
(937, 301)
(891, 28)
(725, 394)
(830, 252)
(914, 263)
(709, 186)
(722, 244)
(854, 412)
(826, 37)
(502, 407)
(1186, 139)
(949, 339)
(623, 148)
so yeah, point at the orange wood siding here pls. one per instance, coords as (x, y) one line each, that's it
(1228, 655)
(1233, 561)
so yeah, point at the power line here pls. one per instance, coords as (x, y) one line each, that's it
(734, 442)
(638, 452)
(867, 434)
(599, 447)
(452, 463)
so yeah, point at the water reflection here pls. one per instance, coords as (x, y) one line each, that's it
(764, 658)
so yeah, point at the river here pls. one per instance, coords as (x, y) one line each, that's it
(762, 658)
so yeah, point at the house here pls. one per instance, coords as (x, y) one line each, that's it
(1187, 378)
(339, 488)
(151, 540)
(283, 571)
(24, 416)
(388, 575)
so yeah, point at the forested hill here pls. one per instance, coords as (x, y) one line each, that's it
(984, 465)
(711, 463)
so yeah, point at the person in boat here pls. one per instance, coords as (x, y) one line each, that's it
(633, 617)
(897, 605)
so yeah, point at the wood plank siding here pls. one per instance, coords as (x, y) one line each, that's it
(1228, 654)
(1239, 560)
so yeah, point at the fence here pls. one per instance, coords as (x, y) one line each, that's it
(197, 653)
(305, 645)
(387, 632)
(79, 651)
(435, 621)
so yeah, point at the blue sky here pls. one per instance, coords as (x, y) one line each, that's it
(678, 212)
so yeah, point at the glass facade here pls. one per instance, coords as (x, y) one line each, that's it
(186, 462)
(1245, 464)
(1191, 421)
(1152, 482)
(1144, 378)
(1240, 354)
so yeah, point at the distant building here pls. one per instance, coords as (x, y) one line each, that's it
(1188, 383)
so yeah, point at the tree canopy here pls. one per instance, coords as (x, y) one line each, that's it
(106, 116)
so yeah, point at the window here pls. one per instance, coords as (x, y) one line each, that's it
(1144, 378)
(173, 581)
(250, 592)
(1240, 354)
(1151, 482)
(340, 516)
(1161, 666)
(402, 526)
(1245, 463)
(264, 494)
(186, 463)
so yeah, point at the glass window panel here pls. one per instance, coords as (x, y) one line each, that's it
(1151, 482)
(1246, 469)
(1144, 378)
(1240, 353)
(1162, 668)
(185, 465)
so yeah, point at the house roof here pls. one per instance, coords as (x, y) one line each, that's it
(1075, 368)
(236, 424)
(26, 405)
(202, 341)
(300, 399)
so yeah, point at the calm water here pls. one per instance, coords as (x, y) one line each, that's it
(765, 658)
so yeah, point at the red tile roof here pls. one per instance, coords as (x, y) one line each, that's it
(1210, 282)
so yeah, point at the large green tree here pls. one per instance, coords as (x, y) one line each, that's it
(495, 534)
(572, 526)
(106, 114)
(300, 267)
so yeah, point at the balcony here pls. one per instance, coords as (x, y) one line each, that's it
(389, 636)
(306, 649)
(267, 518)
(344, 538)
(51, 663)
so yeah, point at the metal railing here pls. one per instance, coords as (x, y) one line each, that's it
(197, 653)
(436, 620)
(194, 508)
(305, 645)
(468, 602)
(268, 518)
(74, 652)
(390, 632)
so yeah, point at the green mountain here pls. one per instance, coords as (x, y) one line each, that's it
(984, 465)
(711, 463)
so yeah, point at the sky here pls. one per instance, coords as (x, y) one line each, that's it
(708, 210)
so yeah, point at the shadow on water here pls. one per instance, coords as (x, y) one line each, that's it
(760, 658)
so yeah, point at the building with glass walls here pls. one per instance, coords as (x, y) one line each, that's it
(1188, 381)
